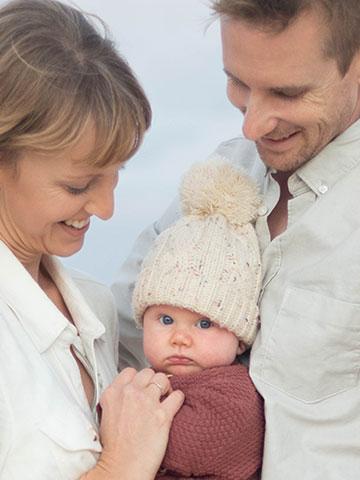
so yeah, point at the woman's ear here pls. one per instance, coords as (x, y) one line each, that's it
(241, 348)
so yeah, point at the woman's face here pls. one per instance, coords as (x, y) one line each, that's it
(47, 201)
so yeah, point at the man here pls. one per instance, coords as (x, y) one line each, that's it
(293, 69)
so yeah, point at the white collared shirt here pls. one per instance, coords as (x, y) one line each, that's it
(48, 431)
(306, 359)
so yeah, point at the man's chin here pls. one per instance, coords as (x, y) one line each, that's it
(281, 162)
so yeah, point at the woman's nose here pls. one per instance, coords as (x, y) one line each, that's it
(101, 203)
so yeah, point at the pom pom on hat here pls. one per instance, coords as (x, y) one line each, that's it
(216, 187)
(209, 260)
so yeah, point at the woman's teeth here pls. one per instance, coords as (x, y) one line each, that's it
(76, 223)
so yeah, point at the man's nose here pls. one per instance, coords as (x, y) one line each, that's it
(259, 117)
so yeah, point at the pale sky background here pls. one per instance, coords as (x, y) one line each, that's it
(178, 62)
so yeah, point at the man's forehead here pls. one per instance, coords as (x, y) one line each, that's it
(309, 26)
(284, 57)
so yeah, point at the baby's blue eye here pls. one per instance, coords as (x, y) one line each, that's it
(166, 320)
(204, 323)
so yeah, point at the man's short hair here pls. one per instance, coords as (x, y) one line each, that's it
(342, 18)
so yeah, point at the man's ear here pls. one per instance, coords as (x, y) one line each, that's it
(241, 348)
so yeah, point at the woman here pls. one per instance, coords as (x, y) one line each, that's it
(71, 114)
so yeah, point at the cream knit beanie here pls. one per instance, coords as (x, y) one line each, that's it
(209, 260)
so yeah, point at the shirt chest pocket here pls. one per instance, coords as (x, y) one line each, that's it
(313, 351)
(73, 444)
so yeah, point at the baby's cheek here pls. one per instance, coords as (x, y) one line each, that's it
(220, 354)
(150, 350)
(219, 357)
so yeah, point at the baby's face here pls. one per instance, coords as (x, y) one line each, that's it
(179, 341)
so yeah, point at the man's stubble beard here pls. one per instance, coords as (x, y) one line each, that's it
(281, 163)
(287, 162)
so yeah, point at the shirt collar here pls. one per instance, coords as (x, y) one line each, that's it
(39, 317)
(335, 161)
(86, 322)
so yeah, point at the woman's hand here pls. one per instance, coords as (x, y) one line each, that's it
(135, 425)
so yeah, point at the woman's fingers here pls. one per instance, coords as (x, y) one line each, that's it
(172, 403)
(160, 384)
(149, 383)
(143, 378)
(125, 376)
(138, 407)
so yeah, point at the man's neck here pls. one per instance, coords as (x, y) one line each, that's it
(277, 220)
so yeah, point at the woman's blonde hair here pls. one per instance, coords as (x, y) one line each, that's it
(58, 73)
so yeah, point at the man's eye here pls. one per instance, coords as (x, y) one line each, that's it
(288, 96)
(204, 323)
(166, 320)
(77, 190)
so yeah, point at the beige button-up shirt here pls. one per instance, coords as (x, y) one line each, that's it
(48, 430)
(306, 359)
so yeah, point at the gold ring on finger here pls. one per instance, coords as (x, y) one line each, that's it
(160, 387)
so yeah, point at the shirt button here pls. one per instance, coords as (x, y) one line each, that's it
(262, 210)
(323, 188)
(101, 384)
(94, 434)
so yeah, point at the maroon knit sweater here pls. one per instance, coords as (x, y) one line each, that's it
(218, 432)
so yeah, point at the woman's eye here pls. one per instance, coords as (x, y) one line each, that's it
(77, 190)
(166, 320)
(204, 323)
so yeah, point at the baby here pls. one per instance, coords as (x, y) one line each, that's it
(196, 299)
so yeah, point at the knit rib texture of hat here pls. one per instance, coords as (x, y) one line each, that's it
(209, 260)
